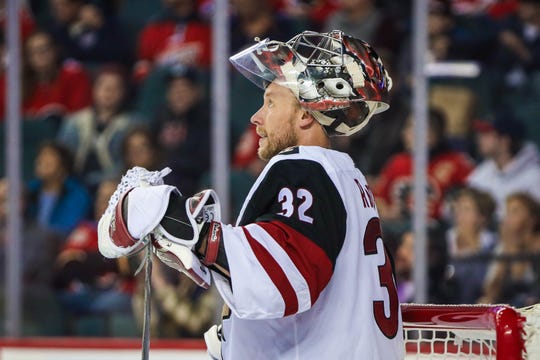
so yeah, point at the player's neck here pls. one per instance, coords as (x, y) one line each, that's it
(314, 137)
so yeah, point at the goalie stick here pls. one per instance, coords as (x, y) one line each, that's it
(115, 242)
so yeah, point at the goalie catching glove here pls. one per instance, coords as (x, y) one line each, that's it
(176, 225)
(114, 246)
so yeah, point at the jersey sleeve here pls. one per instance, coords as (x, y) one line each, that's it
(282, 253)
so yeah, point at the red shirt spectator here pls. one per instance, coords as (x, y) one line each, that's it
(246, 150)
(107, 283)
(26, 22)
(83, 238)
(502, 8)
(169, 42)
(50, 87)
(497, 9)
(447, 169)
(68, 92)
(175, 36)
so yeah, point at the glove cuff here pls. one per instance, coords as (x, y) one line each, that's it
(118, 229)
(213, 242)
(211, 250)
(123, 230)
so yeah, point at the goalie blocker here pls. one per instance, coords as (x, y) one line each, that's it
(185, 231)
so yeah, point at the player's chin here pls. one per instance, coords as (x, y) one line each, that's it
(263, 155)
(266, 152)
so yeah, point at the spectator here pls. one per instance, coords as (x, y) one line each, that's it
(468, 240)
(515, 279)
(176, 35)
(309, 14)
(54, 199)
(378, 141)
(447, 170)
(472, 217)
(140, 148)
(251, 19)
(469, 7)
(40, 241)
(181, 308)
(245, 168)
(519, 44)
(183, 129)
(257, 18)
(453, 38)
(95, 133)
(501, 8)
(364, 20)
(96, 36)
(511, 164)
(496, 9)
(516, 75)
(62, 15)
(437, 259)
(404, 260)
(27, 23)
(375, 24)
(50, 87)
(85, 282)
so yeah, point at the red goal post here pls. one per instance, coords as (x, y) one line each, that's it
(471, 332)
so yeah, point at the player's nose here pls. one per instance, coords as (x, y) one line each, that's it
(256, 118)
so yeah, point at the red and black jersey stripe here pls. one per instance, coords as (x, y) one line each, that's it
(327, 231)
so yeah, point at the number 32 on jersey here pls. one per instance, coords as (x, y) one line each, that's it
(296, 202)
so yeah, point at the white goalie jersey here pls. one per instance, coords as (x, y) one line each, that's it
(310, 277)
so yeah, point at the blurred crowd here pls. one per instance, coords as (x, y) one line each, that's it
(112, 84)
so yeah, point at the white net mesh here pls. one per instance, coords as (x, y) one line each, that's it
(532, 330)
(136, 176)
(453, 344)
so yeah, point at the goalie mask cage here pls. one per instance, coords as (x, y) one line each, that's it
(466, 332)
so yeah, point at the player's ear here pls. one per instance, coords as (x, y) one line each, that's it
(306, 120)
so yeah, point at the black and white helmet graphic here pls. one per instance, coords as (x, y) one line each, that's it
(340, 79)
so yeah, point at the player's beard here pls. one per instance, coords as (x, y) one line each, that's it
(276, 142)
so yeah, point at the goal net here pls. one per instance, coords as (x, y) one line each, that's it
(471, 332)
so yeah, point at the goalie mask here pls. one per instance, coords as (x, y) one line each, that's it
(340, 79)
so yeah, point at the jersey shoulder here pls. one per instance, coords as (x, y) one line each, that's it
(307, 165)
(295, 171)
(301, 190)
